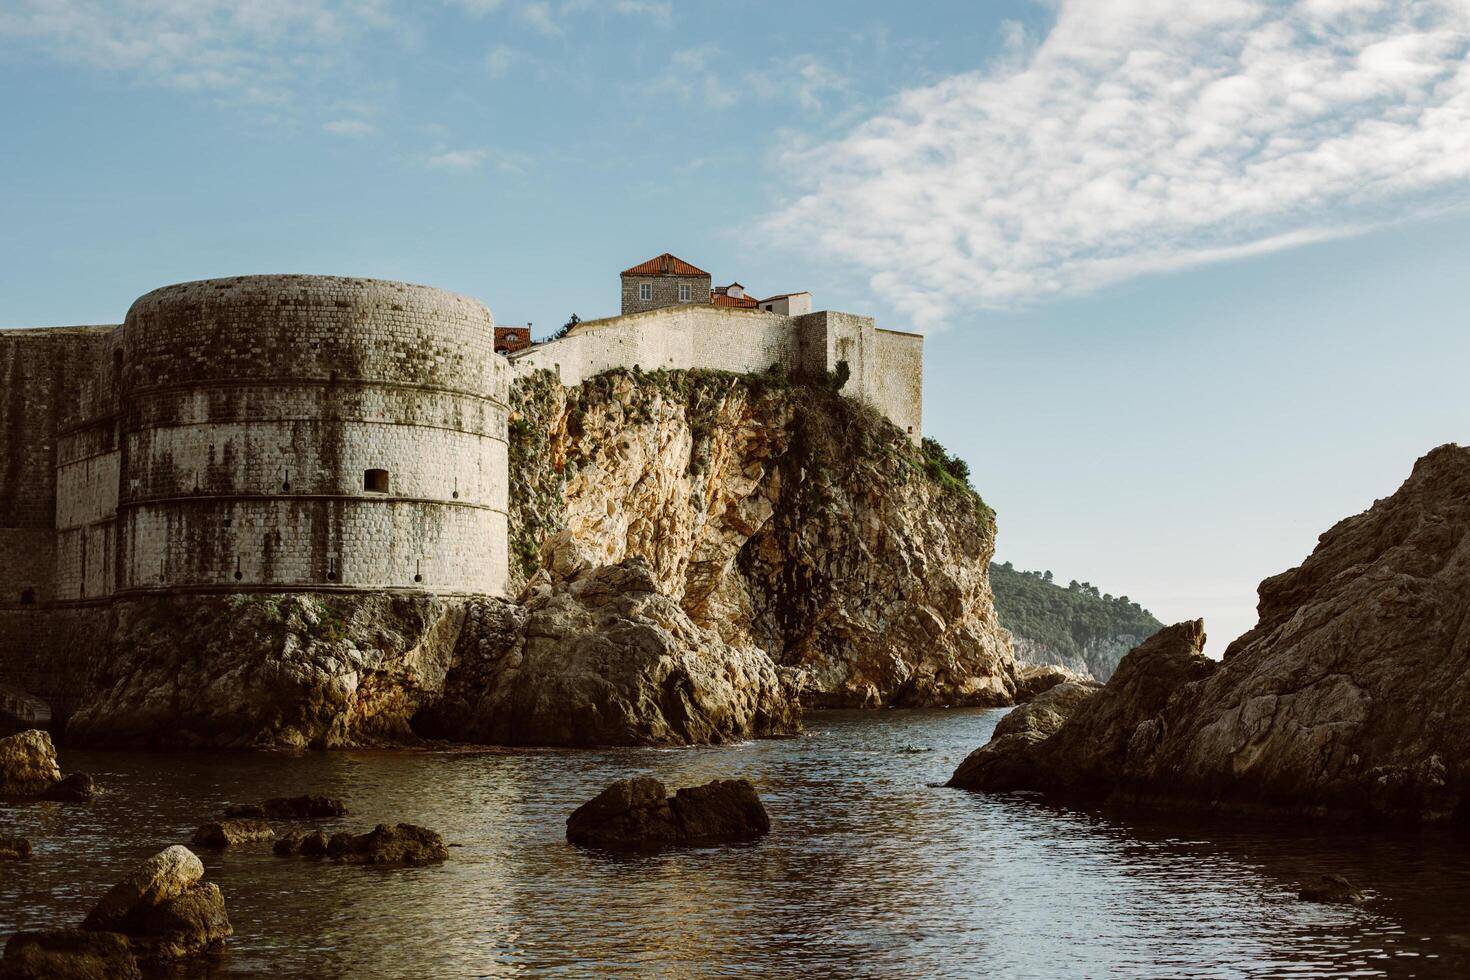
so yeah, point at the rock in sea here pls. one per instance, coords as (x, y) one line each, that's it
(14, 848)
(1332, 890)
(307, 807)
(227, 833)
(27, 764)
(68, 954)
(312, 845)
(403, 844)
(638, 813)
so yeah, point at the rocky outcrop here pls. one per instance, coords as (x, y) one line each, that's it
(401, 844)
(603, 658)
(1351, 696)
(267, 670)
(1005, 760)
(781, 517)
(220, 834)
(27, 764)
(68, 954)
(638, 813)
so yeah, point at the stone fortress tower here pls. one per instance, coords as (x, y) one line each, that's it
(282, 432)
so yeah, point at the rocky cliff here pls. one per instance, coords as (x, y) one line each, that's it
(778, 516)
(1077, 627)
(1351, 696)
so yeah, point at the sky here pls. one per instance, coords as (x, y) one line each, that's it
(1192, 276)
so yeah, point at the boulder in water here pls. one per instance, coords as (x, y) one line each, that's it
(14, 848)
(27, 764)
(307, 807)
(1004, 760)
(403, 844)
(312, 845)
(74, 787)
(1332, 890)
(638, 813)
(164, 876)
(227, 833)
(68, 954)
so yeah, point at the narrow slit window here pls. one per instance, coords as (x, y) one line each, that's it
(684, 294)
(375, 481)
(27, 597)
(645, 291)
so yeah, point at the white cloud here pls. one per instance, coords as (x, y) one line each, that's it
(538, 17)
(354, 128)
(498, 60)
(1143, 136)
(471, 159)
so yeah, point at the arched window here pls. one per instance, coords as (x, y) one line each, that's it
(375, 481)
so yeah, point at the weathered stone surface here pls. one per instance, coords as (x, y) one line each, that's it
(75, 787)
(14, 848)
(166, 875)
(1004, 759)
(403, 843)
(1351, 696)
(638, 813)
(1331, 890)
(307, 807)
(68, 954)
(781, 517)
(268, 670)
(27, 764)
(226, 833)
(188, 924)
(605, 659)
(1033, 680)
(311, 845)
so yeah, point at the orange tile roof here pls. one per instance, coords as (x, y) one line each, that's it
(739, 302)
(665, 265)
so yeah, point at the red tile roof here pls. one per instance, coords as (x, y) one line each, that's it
(665, 265)
(739, 302)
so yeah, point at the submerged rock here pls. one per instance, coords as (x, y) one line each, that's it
(307, 807)
(606, 659)
(74, 787)
(27, 764)
(68, 954)
(312, 845)
(1350, 697)
(400, 844)
(227, 833)
(1332, 890)
(14, 848)
(639, 813)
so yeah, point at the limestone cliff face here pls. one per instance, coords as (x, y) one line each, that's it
(782, 517)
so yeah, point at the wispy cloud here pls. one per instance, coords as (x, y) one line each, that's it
(1143, 136)
(470, 159)
(703, 73)
(539, 18)
(355, 128)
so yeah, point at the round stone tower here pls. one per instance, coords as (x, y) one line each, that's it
(317, 432)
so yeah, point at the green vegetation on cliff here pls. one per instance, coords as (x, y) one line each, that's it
(1064, 621)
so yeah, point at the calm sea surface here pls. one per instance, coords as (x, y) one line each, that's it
(869, 871)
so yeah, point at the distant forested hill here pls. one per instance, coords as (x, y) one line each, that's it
(1075, 626)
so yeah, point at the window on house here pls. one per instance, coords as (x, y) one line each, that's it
(27, 597)
(684, 294)
(645, 291)
(375, 481)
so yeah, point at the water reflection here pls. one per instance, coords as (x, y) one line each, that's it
(870, 871)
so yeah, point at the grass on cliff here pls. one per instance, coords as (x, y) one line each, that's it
(1064, 619)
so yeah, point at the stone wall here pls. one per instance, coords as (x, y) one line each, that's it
(885, 367)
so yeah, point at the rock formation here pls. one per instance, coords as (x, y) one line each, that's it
(1351, 696)
(268, 670)
(68, 954)
(28, 769)
(14, 848)
(164, 908)
(785, 518)
(403, 844)
(605, 659)
(638, 813)
(220, 834)
(308, 807)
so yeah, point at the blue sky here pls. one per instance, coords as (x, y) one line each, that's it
(1192, 274)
